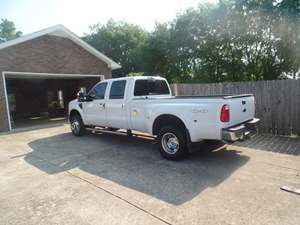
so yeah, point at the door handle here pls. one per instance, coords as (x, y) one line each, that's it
(123, 105)
(102, 105)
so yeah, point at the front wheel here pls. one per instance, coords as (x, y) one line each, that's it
(172, 143)
(77, 126)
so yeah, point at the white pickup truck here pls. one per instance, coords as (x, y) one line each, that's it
(146, 104)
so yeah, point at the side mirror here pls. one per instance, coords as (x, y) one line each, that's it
(81, 96)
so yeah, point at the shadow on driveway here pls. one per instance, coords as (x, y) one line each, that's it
(135, 162)
(273, 143)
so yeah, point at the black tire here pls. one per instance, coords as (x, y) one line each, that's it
(178, 135)
(77, 126)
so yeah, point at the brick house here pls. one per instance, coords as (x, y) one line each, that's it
(41, 72)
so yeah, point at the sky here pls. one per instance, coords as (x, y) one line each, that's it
(32, 15)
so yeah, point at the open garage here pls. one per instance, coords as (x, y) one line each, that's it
(36, 99)
(42, 72)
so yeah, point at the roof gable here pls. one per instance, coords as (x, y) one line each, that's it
(62, 31)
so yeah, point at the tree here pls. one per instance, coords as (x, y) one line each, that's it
(8, 31)
(156, 50)
(288, 30)
(121, 41)
(234, 40)
(282, 20)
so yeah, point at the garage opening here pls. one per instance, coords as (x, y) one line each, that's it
(42, 100)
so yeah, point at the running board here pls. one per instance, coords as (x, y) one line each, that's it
(104, 130)
(122, 132)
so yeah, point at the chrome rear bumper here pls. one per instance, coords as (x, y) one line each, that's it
(241, 131)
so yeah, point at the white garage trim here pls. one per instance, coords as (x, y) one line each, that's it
(18, 75)
(6, 100)
(51, 75)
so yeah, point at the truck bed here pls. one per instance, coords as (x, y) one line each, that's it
(195, 97)
(214, 96)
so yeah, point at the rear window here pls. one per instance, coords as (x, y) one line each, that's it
(151, 87)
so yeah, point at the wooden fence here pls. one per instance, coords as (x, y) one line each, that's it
(277, 101)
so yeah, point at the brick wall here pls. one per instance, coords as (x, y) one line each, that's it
(47, 54)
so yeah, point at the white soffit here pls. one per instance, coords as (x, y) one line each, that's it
(29, 75)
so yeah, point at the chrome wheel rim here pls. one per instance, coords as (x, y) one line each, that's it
(170, 143)
(75, 126)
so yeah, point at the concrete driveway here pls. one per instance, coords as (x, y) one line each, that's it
(48, 176)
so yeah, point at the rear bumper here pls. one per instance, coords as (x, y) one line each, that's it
(241, 131)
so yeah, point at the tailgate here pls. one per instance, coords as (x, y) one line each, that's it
(242, 108)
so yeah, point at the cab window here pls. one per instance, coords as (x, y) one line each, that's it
(117, 89)
(98, 92)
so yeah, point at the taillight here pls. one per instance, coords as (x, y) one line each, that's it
(225, 113)
(77, 96)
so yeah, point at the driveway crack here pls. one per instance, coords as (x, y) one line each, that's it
(108, 192)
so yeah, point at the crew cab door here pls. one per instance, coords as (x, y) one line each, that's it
(94, 107)
(116, 105)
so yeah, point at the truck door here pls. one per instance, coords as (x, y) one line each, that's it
(116, 105)
(94, 107)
